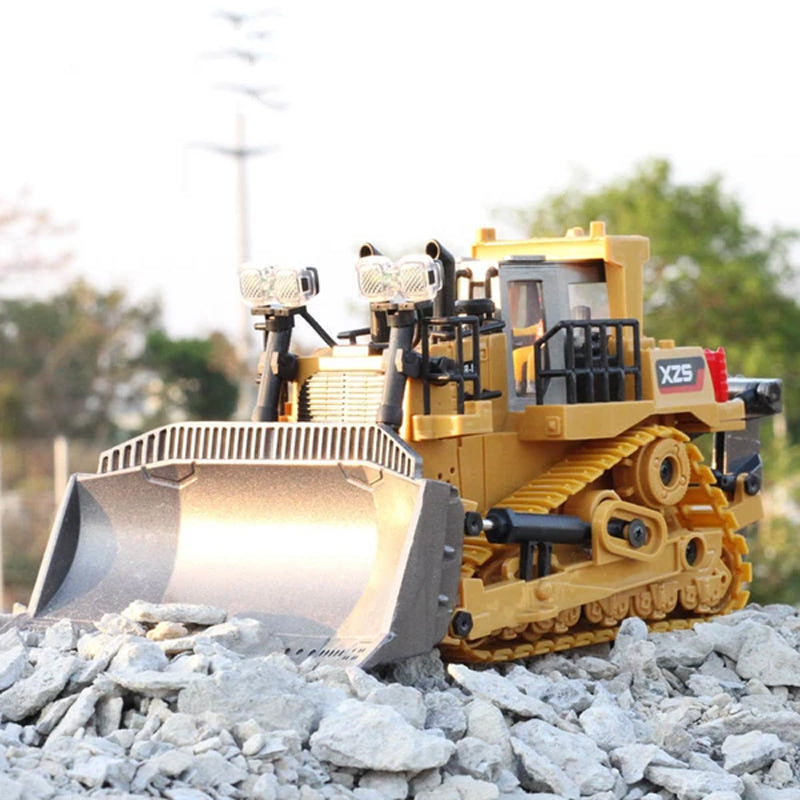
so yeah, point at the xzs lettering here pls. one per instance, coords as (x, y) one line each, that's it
(680, 374)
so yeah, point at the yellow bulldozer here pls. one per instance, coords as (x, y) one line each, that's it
(502, 464)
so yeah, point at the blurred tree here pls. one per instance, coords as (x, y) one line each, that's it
(89, 364)
(64, 361)
(713, 278)
(30, 240)
(198, 378)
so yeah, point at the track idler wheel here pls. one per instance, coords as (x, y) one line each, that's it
(655, 476)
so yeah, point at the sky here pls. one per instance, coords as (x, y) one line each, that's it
(399, 122)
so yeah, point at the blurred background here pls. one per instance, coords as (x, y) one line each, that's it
(148, 148)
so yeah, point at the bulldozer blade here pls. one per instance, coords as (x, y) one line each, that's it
(344, 561)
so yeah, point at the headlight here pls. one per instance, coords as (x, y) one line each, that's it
(278, 286)
(420, 277)
(413, 278)
(376, 278)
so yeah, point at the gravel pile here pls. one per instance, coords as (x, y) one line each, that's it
(171, 702)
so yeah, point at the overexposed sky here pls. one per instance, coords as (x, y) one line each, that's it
(402, 122)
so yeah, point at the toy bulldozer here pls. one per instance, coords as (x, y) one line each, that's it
(502, 464)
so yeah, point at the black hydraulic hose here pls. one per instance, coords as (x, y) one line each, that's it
(279, 335)
(401, 335)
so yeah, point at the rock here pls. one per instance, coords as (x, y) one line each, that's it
(167, 630)
(117, 624)
(631, 630)
(766, 656)
(29, 695)
(154, 684)
(575, 753)
(185, 613)
(692, 784)
(633, 759)
(478, 758)
(446, 712)
(13, 662)
(114, 714)
(212, 769)
(263, 691)
(540, 774)
(751, 751)
(389, 785)
(607, 724)
(139, 655)
(406, 700)
(681, 649)
(724, 639)
(354, 735)
(486, 721)
(78, 714)
(499, 690)
(62, 636)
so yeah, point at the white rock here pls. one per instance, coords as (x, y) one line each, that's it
(446, 712)
(469, 788)
(539, 773)
(62, 635)
(765, 655)
(725, 639)
(13, 661)
(108, 715)
(502, 692)
(478, 758)
(681, 649)
(356, 733)
(180, 730)
(692, 784)
(10, 789)
(154, 683)
(391, 785)
(29, 695)
(607, 724)
(167, 630)
(631, 630)
(78, 713)
(575, 753)
(485, 721)
(52, 713)
(140, 611)
(751, 751)
(139, 655)
(170, 763)
(632, 760)
(407, 701)
(213, 769)
(116, 624)
(261, 691)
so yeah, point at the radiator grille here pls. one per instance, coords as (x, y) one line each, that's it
(351, 397)
(265, 441)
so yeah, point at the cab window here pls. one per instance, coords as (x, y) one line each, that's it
(526, 319)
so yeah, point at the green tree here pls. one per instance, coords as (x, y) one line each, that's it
(65, 361)
(197, 378)
(713, 278)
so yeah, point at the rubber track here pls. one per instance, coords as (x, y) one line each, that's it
(704, 506)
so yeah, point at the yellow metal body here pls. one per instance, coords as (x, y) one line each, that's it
(596, 461)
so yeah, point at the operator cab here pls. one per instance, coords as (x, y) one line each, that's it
(562, 346)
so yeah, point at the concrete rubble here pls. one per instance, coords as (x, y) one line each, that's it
(176, 702)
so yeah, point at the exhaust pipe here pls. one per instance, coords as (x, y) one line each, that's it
(445, 303)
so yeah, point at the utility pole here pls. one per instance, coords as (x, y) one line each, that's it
(250, 51)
